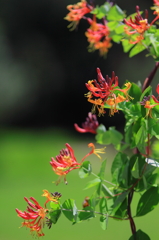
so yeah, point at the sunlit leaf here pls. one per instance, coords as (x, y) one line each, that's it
(70, 210)
(148, 201)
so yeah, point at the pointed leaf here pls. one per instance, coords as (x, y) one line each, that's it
(119, 201)
(106, 191)
(139, 235)
(55, 213)
(148, 201)
(102, 170)
(93, 183)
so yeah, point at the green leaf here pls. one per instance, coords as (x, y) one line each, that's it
(85, 169)
(116, 38)
(115, 135)
(82, 216)
(135, 169)
(122, 211)
(111, 136)
(115, 14)
(106, 138)
(104, 222)
(139, 235)
(148, 201)
(126, 45)
(141, 136)
(136, 49)
(70, 210)
(101, 129)
(102, 11)
(112, 25)
(93, 183)
(135, 92)
(155, 149)
(118, 201)
(106, 191)
(102, 170)
(103, 205)
(118, 169)
(55, 213)
(146, 92)
(103, 209)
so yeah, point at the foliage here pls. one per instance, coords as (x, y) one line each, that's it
(134, 167)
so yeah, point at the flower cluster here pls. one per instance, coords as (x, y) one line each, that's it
(34, 216)
(98, 36)
(66, 161)
(139, 25)
(106, 91)
(77, 11)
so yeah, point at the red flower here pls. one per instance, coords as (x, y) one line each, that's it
(138, 26)
(98, 36)
(105, 91)
(64, 162)
(34, 217)
(90, 125)
(156, 2)
(77, 11)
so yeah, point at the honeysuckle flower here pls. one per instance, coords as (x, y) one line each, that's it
(98, 36)
(156, 2)
(66, 161)
(90, 125)
(147, 103)
(155, 7)
(106, 91)
(34, 217)
(113, 102)
(95, 150)
(49, 197)
(138, 25)
(77, 11)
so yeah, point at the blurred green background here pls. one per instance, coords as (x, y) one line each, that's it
(25, 171)
(43, 70)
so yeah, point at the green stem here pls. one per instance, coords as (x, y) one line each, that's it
(89, 211)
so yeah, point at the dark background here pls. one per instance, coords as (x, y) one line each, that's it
(44, 66)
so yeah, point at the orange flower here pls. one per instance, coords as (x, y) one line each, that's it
(77, 11)
(113, 102)
(49, 197)
(98, 36)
